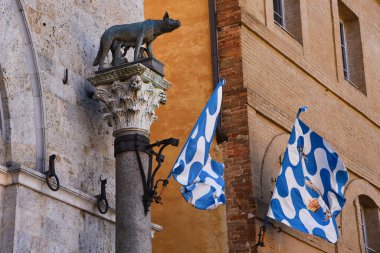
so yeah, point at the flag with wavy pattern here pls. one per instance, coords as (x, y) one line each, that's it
(308, 194)
(200, 175)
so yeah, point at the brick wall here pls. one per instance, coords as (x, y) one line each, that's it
(236, 152)
(269, 76)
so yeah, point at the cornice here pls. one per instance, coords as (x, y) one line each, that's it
(35, 180)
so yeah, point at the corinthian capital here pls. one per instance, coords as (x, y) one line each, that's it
(130, 97)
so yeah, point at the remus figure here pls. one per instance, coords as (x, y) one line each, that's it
(119, 38)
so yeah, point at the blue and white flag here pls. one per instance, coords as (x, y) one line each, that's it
(309, 190)
(200, 175)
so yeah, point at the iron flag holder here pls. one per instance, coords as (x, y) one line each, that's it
(141, 143)
(261, 234)
(101, 199)
(51, 174)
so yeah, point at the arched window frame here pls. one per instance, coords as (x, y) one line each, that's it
(362, 224)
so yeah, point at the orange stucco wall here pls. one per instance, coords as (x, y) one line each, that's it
(187, 58)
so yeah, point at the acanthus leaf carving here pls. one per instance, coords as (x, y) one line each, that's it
(130, 104)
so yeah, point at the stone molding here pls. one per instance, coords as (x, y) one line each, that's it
(35, 180)
(130, 95)
(122, 72)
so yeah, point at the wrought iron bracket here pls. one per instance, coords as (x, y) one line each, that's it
(128, 143)
(51, 174)
(65, 77)
(101, 199)
(139, 143)
(261, 234)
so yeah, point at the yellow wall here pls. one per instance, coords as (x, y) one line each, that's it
(187, 58)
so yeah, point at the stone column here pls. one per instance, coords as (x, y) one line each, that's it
(130, 94)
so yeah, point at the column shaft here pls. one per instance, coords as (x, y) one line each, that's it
(132, 225)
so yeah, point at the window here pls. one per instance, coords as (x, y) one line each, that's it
(369, 224)
(343, 43)
(351, 46)
(287, 15)
(364, 232)
(278, 11)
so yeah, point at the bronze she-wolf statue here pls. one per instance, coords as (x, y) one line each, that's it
(119, 38)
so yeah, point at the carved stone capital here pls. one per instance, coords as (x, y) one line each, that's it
(130, 96)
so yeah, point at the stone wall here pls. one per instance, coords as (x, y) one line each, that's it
(43, 224)
(39, 40)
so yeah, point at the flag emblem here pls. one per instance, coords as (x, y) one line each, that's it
(308, 194)
(200, 175)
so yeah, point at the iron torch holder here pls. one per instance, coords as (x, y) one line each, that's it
(139, 143)
(50, 173)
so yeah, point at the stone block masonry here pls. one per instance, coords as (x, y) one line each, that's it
(39, 40)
